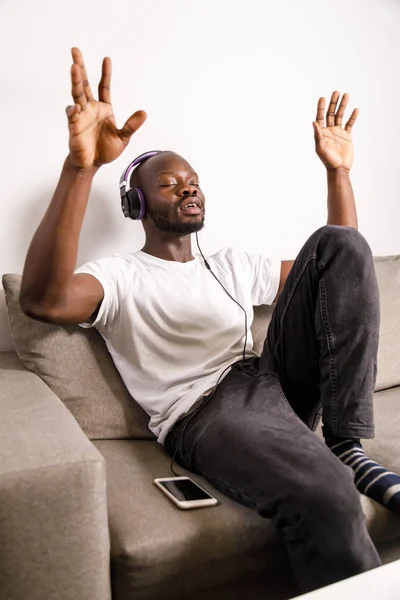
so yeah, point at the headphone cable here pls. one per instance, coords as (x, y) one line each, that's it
(208, 398)
(230, 296)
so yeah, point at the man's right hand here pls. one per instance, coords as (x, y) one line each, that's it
(94, 139)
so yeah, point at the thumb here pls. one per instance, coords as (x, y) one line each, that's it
(132, 125)
(317, 131)
(73, 113)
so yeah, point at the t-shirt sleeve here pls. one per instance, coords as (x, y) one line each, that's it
(264, 275)
(112, 274)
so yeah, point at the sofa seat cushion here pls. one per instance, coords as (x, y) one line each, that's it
(161, 552)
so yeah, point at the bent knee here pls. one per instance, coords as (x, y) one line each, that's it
(346, 238)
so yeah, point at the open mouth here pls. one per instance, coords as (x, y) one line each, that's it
(191, 208)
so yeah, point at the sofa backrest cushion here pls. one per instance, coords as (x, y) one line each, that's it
(388, 275)
(77, 366)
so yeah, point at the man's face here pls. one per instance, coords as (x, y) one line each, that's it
(174, 200)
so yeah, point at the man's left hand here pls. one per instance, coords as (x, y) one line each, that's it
(333, 142)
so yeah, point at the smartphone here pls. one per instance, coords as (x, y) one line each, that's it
(184, 492)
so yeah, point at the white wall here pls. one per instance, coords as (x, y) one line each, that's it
(230, 85)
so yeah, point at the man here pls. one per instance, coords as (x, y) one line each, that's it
(244, 422)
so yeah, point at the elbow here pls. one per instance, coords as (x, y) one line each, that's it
(26, 305)
(35, 310)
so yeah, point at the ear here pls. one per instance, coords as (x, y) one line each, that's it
(136, 204)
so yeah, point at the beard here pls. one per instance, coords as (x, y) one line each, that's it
(163, 220)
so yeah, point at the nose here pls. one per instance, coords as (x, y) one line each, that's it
(188, 190)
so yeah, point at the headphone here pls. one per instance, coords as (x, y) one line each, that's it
(133, 203)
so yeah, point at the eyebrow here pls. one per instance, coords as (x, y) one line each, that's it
(174, 173)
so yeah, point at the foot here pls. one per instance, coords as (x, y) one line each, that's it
(370, 478)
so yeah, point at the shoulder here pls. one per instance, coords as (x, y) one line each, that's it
(116, 261)
(113, 269)
(232, 258)
(226, 256)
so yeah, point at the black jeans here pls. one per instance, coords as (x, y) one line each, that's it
(253, 439)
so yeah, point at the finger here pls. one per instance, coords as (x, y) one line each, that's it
(78, 60)
(105, 82)
(317, 131)
(320, 112)
(330, 115)
(352, 120)
(77, 91)
(133, 123)
(340, 111)
(73, 113)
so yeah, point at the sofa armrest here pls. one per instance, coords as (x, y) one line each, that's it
(54, 536)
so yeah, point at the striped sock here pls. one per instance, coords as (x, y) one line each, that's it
(370, 478)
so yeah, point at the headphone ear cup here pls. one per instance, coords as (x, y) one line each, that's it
(133, 205)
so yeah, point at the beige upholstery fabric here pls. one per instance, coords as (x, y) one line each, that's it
(160, 552)
(54, 536)
(388, 275)
(76, 365)
(262, 317)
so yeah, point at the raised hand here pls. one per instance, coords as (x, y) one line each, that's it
(333, 142)
(94, 139)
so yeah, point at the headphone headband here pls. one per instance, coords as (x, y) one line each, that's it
(126, 175)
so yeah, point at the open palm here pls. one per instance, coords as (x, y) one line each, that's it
(333, 143)
(94, 138)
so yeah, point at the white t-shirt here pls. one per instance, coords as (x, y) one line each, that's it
(170, 327)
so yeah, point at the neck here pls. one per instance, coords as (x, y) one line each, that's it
(169, 247)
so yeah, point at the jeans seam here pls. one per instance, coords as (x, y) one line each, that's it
(290, 296)
(223, 484)
(182, 423)
(363, 427)
(283, 397)
(332, 356)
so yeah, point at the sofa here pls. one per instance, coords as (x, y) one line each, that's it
(80, 517)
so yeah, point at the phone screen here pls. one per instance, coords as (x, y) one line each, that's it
(184, 490)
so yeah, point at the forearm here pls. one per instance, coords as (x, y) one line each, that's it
(52, 255)
(341, 204)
